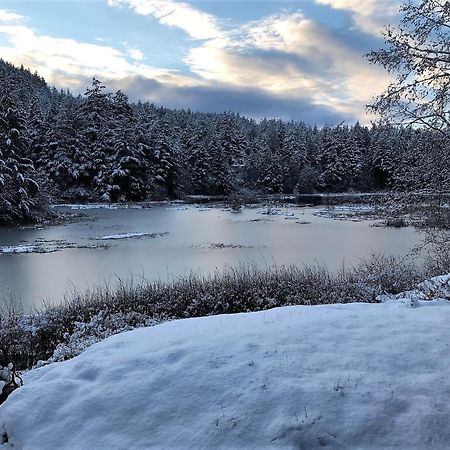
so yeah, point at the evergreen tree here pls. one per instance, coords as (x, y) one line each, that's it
(95, 116)
(165, 158)
(101, 147)
(18, 189)
(223, 181)
(271, 175)
(199, 160)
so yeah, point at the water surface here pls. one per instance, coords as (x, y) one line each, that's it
(186, 247)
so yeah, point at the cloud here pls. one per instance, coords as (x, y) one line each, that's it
(133, 52)
(9, 16)
(136, 54)
(370, 16)
(283, 54)
(218, 97)
(62, 61)
(282, 65)
(288, 54)
(197, 24)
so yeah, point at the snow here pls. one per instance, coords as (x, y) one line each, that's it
(45, 246)
(129, 236)
(101, 326)
(355, 376)
(83, 206)
(23, 248)
(271, 211)
(178, 208)
(434, 288)
(354, 213)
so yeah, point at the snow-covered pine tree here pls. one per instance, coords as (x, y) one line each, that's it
(271, 174)
(360, 138)
(233, 144)
(339, 160)
(125, 173)
(165, 158)
(293, 157)
(198, 158)
(95, 115)
(18, 189)
(223, 181)
(384, 155)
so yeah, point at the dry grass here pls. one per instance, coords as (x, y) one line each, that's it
(26, 339)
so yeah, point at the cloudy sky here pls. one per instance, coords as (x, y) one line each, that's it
(299, 60)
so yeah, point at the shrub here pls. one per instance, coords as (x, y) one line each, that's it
(61, 332)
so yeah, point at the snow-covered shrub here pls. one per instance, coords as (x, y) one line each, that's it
(432, 289)
(64, 331)
(9, 381)
(388, 273)
(101, 326)
(436, 248)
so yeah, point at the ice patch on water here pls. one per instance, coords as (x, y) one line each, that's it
(130, 236)
(84, 206)
(23, 248)
(45, 246)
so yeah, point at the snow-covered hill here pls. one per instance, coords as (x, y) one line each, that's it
(356, 376)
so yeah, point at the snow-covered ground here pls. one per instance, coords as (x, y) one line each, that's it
(355, 376)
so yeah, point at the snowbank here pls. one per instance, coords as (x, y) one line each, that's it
(337, 376)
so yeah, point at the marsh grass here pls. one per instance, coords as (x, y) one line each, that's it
(60, 332)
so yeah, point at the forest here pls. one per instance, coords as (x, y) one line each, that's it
(101, 147)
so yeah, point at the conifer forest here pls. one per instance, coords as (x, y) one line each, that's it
(100, 147)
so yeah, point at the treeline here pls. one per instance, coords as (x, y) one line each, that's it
(101, 147)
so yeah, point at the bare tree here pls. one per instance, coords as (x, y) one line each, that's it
(417, 53)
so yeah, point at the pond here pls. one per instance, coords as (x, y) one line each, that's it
(167, 241)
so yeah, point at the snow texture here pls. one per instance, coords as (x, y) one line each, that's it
(130, 236)
(354, 213)
(101, 326)
(355, 376)
(45, 246)
(434, 288)
(25, 248)
(271, 211)
(82, 206)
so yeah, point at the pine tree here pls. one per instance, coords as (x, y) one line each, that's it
(125, 174)
(199, 160)
(293, 158)
(18, 189)
(95, 160)
(165, 158)
(384, 155)
(271, 174)
(222, 182)
(339, 160)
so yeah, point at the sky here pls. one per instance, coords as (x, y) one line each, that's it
(294, 60)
